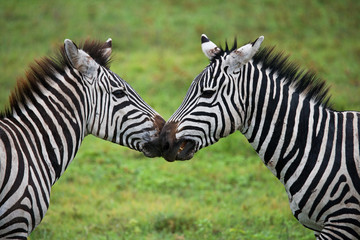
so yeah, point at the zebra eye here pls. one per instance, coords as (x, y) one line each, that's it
(207, 93)
(119, 93)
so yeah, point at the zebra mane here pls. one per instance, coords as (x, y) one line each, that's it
(47, 67)
(305, 81)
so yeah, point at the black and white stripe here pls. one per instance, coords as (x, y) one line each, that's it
(284, 113)
(61, 101)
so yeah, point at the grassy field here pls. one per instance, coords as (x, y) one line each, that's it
(225, 192)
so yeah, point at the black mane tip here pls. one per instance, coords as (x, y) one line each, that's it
(304, 81)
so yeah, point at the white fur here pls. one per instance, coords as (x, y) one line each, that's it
(209, 48)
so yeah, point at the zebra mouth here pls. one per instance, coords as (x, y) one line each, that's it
(182, 146)
(183, 149)
(186, 150)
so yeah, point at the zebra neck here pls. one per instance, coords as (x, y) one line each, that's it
(284, 127)
(49, 127)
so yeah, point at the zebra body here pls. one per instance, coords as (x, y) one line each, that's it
(61, 101)
(312, 149)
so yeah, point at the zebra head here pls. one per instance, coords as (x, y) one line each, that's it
(214, 105)
(115, 112)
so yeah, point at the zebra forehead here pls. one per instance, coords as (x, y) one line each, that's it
(116, 80)
(201, 75)
(209, 76)
(224, 51)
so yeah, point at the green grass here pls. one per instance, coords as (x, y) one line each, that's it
(225, 192)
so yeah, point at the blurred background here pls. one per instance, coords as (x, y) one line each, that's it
(225, 192)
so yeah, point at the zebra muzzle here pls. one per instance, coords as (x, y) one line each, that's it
(152, 146)
(181, 150)
(175, 149)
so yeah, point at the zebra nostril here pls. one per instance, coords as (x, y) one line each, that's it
(166, 146)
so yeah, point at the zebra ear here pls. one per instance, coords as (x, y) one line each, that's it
(79, 59)
(245, 53)
(107, 48)
(72, 52)
(208, 47)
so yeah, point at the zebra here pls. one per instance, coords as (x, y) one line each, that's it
(61, 100)
(285, 114)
